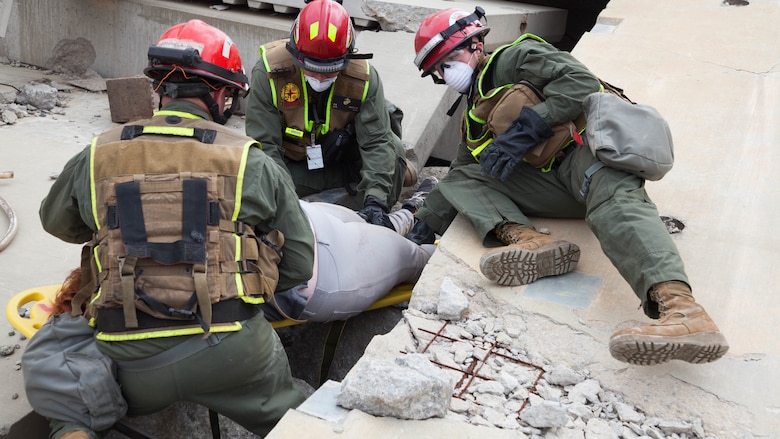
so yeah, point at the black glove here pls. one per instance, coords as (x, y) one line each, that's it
(421, 233)
(340, 146)
(507, 149)
(375, 212)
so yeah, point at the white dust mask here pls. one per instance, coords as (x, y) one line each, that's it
(320, 86)
(458, 75)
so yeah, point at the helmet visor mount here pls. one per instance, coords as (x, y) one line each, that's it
(323, 66)
(165, 59)
(315, 64)
(443, 36)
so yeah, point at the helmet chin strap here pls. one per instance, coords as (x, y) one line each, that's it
(213, 107)
(202, 91)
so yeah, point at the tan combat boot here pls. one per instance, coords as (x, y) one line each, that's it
(684, 331)
(528, 256)
(75, 434)
(410, 176)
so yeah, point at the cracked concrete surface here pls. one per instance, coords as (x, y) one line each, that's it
(696, 62)
(712, 70)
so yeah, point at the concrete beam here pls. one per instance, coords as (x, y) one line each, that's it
(121, 32)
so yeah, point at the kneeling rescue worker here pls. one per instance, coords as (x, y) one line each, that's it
(188, 227)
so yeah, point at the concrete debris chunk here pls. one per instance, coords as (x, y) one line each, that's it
(586, 391)
(509, 382)
(8, 117)
(599, 428)
(7, 96)
(563, 376)
(42, 96)
(491, 388)
(409, 388)
(627, 413)
(672, 427)
(546, 414)
(452, 302)
(130, 98)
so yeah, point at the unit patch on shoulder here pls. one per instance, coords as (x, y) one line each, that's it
(291, 94)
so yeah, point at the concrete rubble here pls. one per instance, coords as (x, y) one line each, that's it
(410, 387)
(38, 98)
(542, 368)
(500, 383)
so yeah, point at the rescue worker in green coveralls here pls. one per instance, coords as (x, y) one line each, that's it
(179, 214)
(319, 109)
(516, 159)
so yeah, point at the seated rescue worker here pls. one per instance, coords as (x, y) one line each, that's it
(319, 109)
(516, 159)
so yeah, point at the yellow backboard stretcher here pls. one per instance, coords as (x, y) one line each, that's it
(42, 298)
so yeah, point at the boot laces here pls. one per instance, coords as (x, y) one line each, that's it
(508, 233)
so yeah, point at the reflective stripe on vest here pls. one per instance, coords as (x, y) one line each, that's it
(471, 121)
(291, 96)
(474, 125)
(160, 261)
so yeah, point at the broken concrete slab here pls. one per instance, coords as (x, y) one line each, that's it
(39, 95)
(72, 56)
(410, 387)
(130, 98)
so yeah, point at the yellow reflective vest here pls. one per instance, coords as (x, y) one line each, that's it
(169, 256)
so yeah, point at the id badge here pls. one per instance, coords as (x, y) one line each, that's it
(314, 157)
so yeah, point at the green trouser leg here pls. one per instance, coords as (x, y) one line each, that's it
(488, 202)
(617, 210)
(245, 377)
(626, 223)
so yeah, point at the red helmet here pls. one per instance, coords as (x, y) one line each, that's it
(322, 37)
(196, 48)
(442, 32)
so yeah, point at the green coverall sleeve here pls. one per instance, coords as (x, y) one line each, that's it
(61, 210)
(270, 203)
(563, 79)
(264, 122)
(380, 148)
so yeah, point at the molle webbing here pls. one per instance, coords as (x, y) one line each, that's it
(344, 100)
(190, 249)
(493, 113)
(169, 251)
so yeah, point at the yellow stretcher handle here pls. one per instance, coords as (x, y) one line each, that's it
(39, 312)
(44, 299)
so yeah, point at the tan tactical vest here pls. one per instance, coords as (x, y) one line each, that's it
(291, 97)
(494, 111)
(169, 253)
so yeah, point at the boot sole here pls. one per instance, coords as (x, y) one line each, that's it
(517, 266)
(648, 350)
